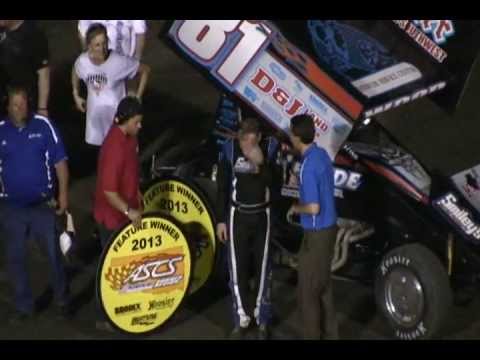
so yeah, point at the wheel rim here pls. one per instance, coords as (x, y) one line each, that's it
(404, 297)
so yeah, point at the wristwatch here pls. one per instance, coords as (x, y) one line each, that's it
(126, 211)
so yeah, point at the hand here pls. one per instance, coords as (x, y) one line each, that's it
(80, 103)
(43, 112)
(135, 216)
(291, 212)
(254, 154)
(222, 232)
(62, 204)
(139, 97)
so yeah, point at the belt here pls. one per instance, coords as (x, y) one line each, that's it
(250, 209)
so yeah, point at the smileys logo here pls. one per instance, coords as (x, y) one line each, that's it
(97, 81)
(158, 273)
(440, 30)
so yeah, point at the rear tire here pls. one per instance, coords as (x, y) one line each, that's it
(412, 290)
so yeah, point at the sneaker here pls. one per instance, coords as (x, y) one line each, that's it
(19, 318)
(263, 332)
(238, 333)
(104, 326)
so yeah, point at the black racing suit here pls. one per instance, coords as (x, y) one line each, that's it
(243, 204)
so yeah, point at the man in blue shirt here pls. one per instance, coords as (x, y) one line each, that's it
(32, 159)
(318, 217)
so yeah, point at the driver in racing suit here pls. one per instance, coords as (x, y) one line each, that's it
(243, 205)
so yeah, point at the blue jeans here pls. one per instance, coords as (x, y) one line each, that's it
(19, 224)
(104, 235)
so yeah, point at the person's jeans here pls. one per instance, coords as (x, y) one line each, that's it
(104, 235)
(19, 224)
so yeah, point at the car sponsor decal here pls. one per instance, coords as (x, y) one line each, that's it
(429, 34)
(280, 94)
(450, 206)
(468, 183)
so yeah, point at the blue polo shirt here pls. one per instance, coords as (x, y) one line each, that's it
(317, 186)
(27, 160)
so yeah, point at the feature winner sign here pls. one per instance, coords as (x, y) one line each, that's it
(234, 53)
(144, 274)
(181, 200)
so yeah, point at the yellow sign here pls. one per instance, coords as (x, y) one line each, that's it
(179, 200)
(144, 275)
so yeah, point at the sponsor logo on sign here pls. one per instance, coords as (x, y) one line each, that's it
(127, 309)
(141, 266)
(460, 216)
(184, 204)
(148, 273)
(160, 304)
(144, 320)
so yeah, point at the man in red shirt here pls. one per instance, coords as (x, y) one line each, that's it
(117, 195)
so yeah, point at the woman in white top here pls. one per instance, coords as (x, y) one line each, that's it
(126, 37)
(105, 73)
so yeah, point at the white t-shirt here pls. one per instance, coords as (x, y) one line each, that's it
(121, 33)
(106, 85)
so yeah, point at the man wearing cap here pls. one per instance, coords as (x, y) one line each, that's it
(33, 181)
(117, 196)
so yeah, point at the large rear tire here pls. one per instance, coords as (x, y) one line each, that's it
(412, 290)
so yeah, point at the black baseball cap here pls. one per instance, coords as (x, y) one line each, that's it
(129, 107)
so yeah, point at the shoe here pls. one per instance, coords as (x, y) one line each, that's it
(238, 333)
(19, 318)
(263, 332)
(104, 326)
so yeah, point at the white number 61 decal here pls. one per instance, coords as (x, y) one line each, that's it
(226, 46)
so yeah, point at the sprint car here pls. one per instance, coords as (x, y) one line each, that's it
(410, 232)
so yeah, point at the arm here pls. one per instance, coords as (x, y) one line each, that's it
(79, 101)
(83, 41)
(43, 90)
(82, 30)
(115, 200)
(311, 197)
(309, 209)
(139, 45)
(143, 72)
(110, 175)
(223, 188)
(40, 60)
(61, 169)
